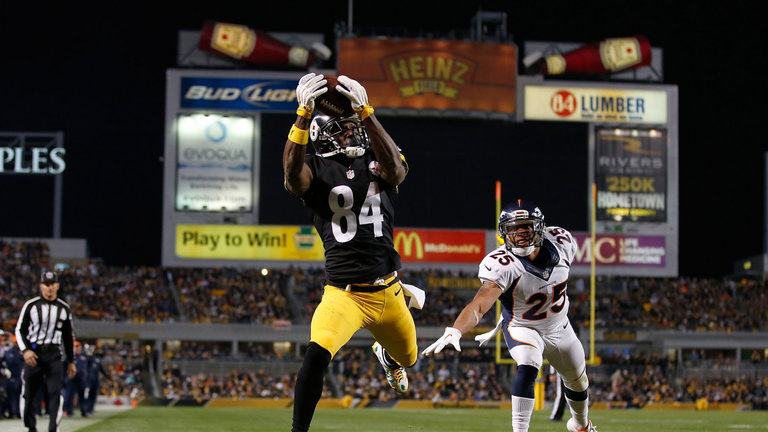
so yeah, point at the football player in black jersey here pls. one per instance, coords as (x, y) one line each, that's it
(351, 185)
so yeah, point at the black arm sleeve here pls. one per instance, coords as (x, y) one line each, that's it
(67, 337)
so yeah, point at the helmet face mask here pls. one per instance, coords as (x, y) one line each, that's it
(521, 226)
(330, 136)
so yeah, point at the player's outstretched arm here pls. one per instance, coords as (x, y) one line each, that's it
(469, 317)
(387, 153)
(483, 301)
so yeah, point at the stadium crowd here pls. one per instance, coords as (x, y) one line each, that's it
(143, 294)
(475, 378)
(623, 380)
(236, 384)
(228, 295)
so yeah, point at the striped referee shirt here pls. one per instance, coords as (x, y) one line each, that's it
(43, 324)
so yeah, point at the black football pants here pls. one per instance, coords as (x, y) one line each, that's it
(49, 371)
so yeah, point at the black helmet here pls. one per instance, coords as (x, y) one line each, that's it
(324, 132)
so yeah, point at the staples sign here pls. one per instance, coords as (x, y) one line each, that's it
(32, 160)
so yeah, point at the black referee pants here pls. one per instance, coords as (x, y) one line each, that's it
(49, 372)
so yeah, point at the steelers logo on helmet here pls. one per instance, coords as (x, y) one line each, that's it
(521, 226)
(338, 135)
(375, 168)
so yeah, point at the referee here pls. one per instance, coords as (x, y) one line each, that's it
(44, 325)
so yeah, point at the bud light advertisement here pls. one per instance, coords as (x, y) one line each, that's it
(277, 95)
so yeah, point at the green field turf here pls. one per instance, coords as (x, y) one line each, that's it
(439, 420)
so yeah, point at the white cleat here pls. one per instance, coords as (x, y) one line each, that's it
(396, 377)
(572, 426)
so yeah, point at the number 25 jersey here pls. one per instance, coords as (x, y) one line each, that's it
(533, 296)
(353, 211)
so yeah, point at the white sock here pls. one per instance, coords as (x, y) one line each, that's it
(579, 411)
(522, 408)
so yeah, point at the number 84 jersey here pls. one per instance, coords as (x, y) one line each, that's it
(533, 294)
(353, 213)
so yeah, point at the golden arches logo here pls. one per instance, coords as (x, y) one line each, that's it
(405, 243)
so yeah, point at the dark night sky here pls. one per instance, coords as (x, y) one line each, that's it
(98, 75)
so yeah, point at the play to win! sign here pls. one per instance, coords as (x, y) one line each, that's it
(301, 243)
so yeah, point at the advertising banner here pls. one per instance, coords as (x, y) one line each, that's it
(241, 242)
(250, 94)
(272, 242)
(251, 45)
(631, 175)
(32, 153)
(604, 105)
(440, 246)
(301, 243)
(214, 169)
(621, 250)
(32, 160)
(432, 74)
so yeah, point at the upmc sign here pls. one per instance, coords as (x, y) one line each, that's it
(440, 246)
(621, 250)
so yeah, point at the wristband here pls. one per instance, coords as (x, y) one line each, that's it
(304, 111)
(299, 136)
(364, 111)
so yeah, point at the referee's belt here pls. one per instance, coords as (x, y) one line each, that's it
(46, 348)
(379, 284)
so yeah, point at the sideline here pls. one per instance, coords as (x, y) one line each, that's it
(68, 424)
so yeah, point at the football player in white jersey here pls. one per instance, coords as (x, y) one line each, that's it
(528, 274)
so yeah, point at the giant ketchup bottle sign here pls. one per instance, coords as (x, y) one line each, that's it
(606, 56)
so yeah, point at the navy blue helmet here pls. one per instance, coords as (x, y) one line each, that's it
(514, 221)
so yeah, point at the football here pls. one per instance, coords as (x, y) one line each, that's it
(332, 102)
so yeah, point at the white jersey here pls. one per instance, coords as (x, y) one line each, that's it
(533, 296)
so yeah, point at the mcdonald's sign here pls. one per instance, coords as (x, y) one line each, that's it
(440, 246)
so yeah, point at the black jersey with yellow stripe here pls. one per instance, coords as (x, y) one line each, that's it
(353, 211)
